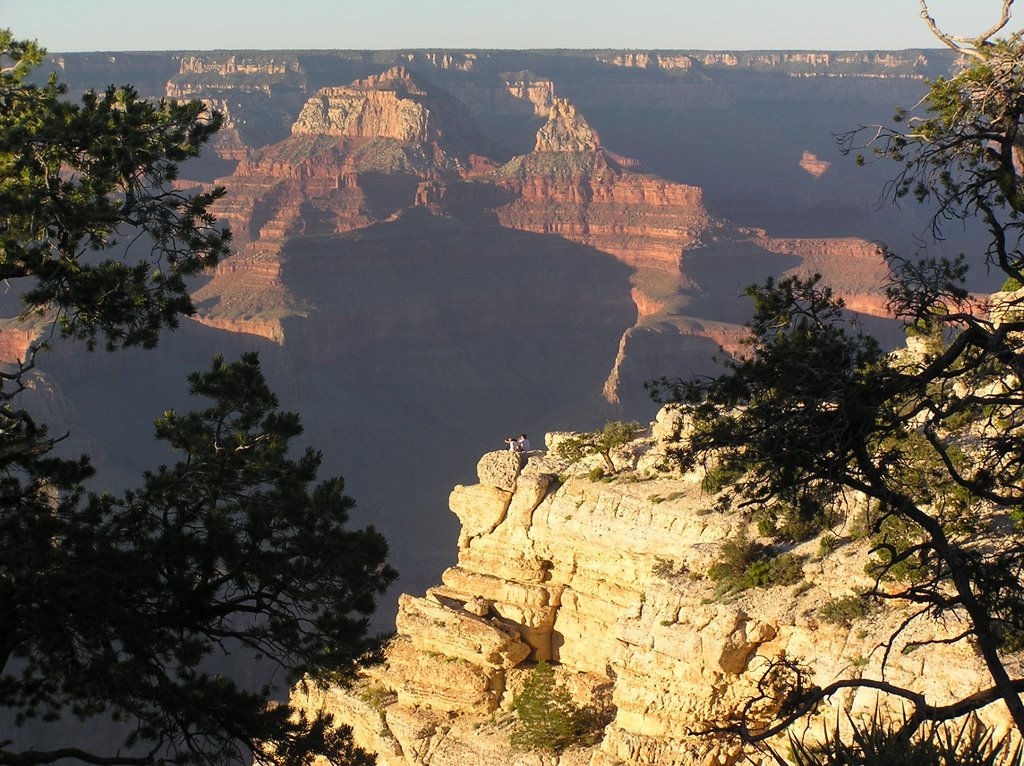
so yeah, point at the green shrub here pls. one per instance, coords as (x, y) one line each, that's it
(666, 569)
(548, 720)
(828, 544)
(896, 535)
(793, 521)
(378, 697)
(596, 473)
(767, 526)
(802, 587)
(785, 569)
(861, 525)
(757, 575)
(845, 610)
(614, 434)
(718, 478)
(744, 563)
(736, 555)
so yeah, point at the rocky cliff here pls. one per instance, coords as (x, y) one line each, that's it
(571, 186)
(390, 305)
(258, 93)
(357, 154)
(607, 579)
(794, 63)
(317, 158)
(366, 153)
(390, 105)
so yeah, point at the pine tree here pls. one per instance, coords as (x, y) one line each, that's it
(815, 411)
(118, 606)
(549, 720)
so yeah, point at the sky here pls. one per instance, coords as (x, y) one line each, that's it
(64, 26)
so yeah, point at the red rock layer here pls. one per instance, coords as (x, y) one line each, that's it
(325, 185)
(357, 154)
(14, 343)
(816, 167)
(570, 186)
(247, 295)
(854, 268)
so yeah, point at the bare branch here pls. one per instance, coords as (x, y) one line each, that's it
(923, 712)
(968, 46)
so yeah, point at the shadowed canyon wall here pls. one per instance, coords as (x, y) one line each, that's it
(436, 249)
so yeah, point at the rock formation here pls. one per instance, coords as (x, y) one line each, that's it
(387, 106)
(813, 165)
(390, 304)
(358, 154)
(608, 580)
(572, 187)
(539, 92)
(257, 92)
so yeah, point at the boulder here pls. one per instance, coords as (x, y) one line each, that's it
(440, 682)
(530, 490)
(480, 508)
(458, 634)
(499, 469)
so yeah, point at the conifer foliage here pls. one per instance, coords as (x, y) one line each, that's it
(933, 437)
(603, 442)
(114, 604)
(92, 228)
(122, 606)
(548, 719)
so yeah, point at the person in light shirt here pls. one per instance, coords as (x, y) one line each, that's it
(522, 444)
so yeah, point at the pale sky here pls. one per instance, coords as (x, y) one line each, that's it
(122, 25)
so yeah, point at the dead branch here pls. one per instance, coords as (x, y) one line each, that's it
(968, 46)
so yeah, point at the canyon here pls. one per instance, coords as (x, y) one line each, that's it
(607, 577)
(435, 249)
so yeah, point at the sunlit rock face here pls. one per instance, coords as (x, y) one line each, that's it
(453, 246)
(572, 187)
(608, 581)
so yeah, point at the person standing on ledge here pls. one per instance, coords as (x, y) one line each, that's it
(522, 444)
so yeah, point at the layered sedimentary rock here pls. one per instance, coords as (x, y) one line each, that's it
(540, 92)
(258, 93)
(365, 153)
(853, 267)
(608, 581)
(387, 106)
(796, 63)
(571, 186)
(357, 154)
(198, 73)
(15, 340)
(399, 313)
